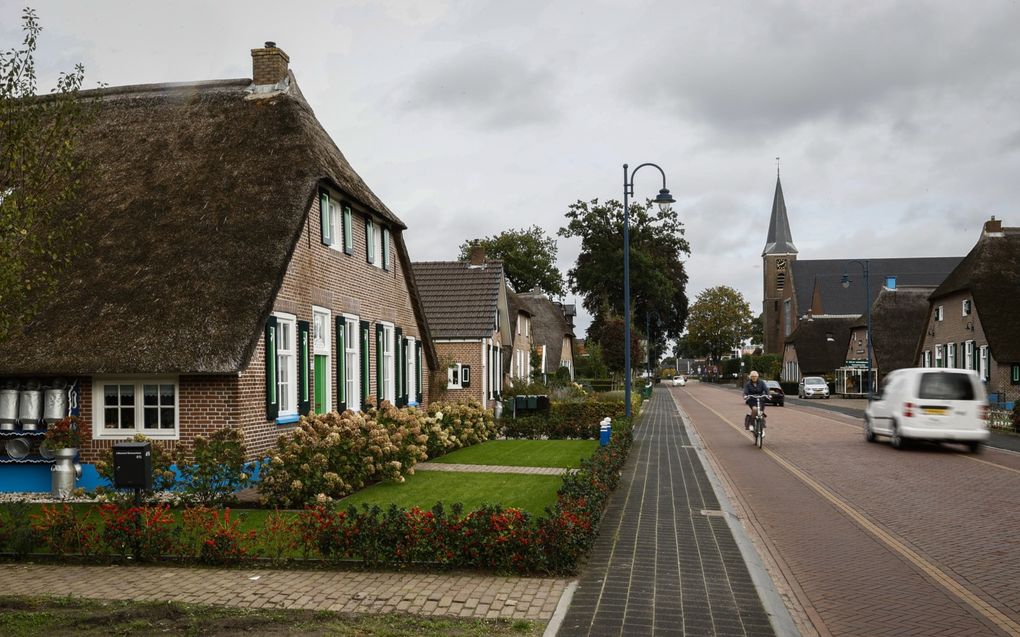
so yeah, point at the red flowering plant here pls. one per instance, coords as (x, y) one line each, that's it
(146, 533)
(214, 537)
(63, 531)
(64, 434)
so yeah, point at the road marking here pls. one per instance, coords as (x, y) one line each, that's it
(933, 571)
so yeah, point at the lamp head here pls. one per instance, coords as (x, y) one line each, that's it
(846, 281)
(664, 199)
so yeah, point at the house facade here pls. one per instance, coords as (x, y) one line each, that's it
(468, 317)
(517, 362)
(552, 332)
(238, 273)
(971, 317)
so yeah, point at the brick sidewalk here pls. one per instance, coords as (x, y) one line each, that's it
(453, 595)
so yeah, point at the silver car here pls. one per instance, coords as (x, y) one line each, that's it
(813, 387)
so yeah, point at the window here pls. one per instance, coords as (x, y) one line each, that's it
(939, 313)
(286, 365)
(370, 240)
(1014, 374)
(412, 372)
(938, 356)
(946, 386)
(385, 248)
(968, 355)
(926, 358)
(983, 371)
(951, 355)
(126, 407)
(527, 326)
(458, 376)
(966, 307)
(352, 355)
(322, 349)
(348, 231)
(388, 389)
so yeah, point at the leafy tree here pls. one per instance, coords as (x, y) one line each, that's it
(528, 255)
(40, 175)
(658, 280)
(758, 329)
(610, 340)
(720, 319)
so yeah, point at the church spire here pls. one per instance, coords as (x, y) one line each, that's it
(779, 240)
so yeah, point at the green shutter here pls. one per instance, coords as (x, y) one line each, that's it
(378, 364)
(348, 231)
(365, 329)
(405, 376)
(272, 399)
(325, 219)
(341, 360)
(421, 374)
(369, 240)
(386, 248)
(304, 395)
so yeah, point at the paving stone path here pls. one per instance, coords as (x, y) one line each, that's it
(666, 562)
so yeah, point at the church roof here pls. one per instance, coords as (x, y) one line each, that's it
(780, 240)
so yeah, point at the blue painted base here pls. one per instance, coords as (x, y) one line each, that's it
(35, 477)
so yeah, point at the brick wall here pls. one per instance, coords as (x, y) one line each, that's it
(469, 353)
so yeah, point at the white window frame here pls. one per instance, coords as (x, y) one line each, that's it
(983, 370)
(352, 361)
(372, 255)
(926, 358)
(966, 307)
(412, 371)
(286, 366)
(385, 240)
(389, 364)
(968, 355)
(323, 348)
(939, 313)
(938, 356)
(455, 370)
(951, 355)
(336, 224)
(99, 429)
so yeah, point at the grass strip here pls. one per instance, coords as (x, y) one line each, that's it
(524, 453)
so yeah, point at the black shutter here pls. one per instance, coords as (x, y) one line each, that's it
(378, 364)
(365, 330)
(341, 360)
(304, 395)
(465, 376)
(421, 374)
(325, 218)
(272, 399)
(399, 372)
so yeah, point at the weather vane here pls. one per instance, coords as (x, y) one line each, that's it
(777, 167)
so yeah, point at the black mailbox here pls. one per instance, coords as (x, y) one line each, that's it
(132, 465)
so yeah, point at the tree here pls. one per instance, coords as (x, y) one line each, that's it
(758, 329)
(528, 256)
(720, 319)
(40, 174)
(657, 275)
(610, 340)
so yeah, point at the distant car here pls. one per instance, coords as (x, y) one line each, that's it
(776, 395)
(679, 381)
(924, 403)
(813, 387)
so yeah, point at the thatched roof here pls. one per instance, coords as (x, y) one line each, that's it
(548, 325)
(821, 343)
(460, 299)
(991, 273)
(195, 199)
(897, 325)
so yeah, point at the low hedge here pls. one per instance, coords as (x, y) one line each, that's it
(568, 420)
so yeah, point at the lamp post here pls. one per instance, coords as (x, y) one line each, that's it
(664, 200)
(867, 290)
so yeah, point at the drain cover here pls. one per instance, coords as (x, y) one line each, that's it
(713, 513)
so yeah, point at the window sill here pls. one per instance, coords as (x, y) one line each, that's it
(129, 435)
(288, 419)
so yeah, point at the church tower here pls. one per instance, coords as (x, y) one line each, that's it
(778, 311)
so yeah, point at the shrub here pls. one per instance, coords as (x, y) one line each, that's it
(464, 424)
(17, 534)
(567, 419)
(145, 532)
(212, 536)
(163, 476)
(63, 531)
(213, 468)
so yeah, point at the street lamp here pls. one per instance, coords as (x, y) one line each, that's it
(867, 289)
(664, 199)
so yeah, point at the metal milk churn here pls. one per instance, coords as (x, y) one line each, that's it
(56, 405)
(64, 472)
(8, 409)
(30, 409)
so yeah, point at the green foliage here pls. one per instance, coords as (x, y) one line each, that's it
(164, 478)
(567, 420)
(214, 468)
(657, 274)
(40, 176)
(609, 335)
(528, 256)
(720, 319)
(524, 453)
(17, 534)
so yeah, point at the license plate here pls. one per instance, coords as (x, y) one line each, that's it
(935, 411)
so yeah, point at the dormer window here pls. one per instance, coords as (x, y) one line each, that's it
(370, 241)
(939, 313)
(966, 307)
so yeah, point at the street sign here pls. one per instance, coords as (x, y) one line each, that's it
(856, 364)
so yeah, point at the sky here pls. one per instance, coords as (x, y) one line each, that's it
(895, 122)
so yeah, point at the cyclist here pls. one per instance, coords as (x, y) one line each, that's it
(752, 388)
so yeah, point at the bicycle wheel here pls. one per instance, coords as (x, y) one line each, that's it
(759, 432)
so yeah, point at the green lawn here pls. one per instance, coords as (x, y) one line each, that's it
(528, 492)
(524, 453)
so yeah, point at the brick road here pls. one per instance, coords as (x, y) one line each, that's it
(868, 540)
(661, 566)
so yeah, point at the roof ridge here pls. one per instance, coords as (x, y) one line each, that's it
(161, 87)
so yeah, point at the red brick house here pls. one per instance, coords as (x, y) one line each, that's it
(971, 321)
(226, 229)
(468, 317)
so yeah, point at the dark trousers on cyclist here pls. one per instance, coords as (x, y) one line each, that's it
(752, 402)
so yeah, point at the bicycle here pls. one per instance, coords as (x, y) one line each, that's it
(757, 423)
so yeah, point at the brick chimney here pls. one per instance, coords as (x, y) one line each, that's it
(477, 255)
(268, 65)
(993, 226)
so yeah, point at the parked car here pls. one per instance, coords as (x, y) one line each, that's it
(679, 381)
(776, 395)
(924, 403)
(813, 386)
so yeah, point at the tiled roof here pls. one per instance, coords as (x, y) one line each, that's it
(991, 272)
(460, 299)
(827, 275)
(821, 343)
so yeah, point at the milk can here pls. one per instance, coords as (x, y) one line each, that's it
(8, 409)
(64, 472)
(30, 409)
(56, 405)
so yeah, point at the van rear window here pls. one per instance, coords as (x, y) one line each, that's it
(945, 386)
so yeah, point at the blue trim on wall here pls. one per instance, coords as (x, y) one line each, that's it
(35, 478)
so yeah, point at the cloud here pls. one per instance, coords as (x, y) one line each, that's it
(487, 88)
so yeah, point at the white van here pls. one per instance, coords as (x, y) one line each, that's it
(928, 403)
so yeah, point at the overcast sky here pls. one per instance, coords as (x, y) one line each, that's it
(897, 122)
